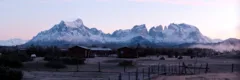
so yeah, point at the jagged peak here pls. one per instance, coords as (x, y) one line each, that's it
(73, 24)
(79, 20)
(96, 30)
(181, 26)
(157, 28)
(160, 27)
(139, 26)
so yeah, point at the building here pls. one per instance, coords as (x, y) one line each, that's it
(127, 52)
(79, 52)
(85, 52)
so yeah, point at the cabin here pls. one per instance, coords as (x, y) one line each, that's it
(127, 52)
(79, 52)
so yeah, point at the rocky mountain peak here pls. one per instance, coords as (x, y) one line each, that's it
(75, 32)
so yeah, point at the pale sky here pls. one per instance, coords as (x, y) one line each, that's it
(25, 18)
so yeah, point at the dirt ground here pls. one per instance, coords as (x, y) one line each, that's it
(209, 76)
(36, 70)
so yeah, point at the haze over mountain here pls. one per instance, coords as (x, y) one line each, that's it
(76, 33)
(12, 42)
(226, 45)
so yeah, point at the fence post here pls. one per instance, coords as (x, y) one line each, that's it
(206, 68)
(143, 73)
(120, 77)
(175, 69)
(165, 70)
(169, 69)
(37, 67)
(124, 68)
(152, 67)
(179, 68)
(200, 69)
(232, 67)
(149, 73)
(77, 66)
(137, 74)
(158, 70)
(185, 68)
(99, 67)
(129, 75)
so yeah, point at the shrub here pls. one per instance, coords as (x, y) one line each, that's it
(162, 58)
(192, 57)
(24, 57)
(49, 58)
(170, 56)
(180, 57)
(10, 61)
(55, 65)
(126, 63)
(8, 74)
(73, 61)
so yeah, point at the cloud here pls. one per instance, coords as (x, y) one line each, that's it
(194, 2)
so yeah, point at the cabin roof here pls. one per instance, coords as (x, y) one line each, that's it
(83, 47)
(96, 49)
(100, 49)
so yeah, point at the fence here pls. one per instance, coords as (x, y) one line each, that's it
(145, 72)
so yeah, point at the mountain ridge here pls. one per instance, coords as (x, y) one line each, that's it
(75, 32)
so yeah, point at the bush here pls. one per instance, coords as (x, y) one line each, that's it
(126, 63)
(192, 57)
(49, 58)
(24, 57)
(180, 57)
(8, 74)
(73, 61)
(10, 61)
(170, 56)
(55, 65)
(162, 58)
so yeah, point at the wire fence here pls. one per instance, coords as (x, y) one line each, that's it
(102, 71)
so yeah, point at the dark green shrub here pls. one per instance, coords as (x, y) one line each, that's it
(55, 65)
(8, 74)
(180, 57)
(49, 58)
(24, 57)
(162, 58)
(126, 63)
(10, 61)
(170, 56)
(192, 57)
(73, 61)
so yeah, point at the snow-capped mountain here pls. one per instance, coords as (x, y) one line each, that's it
(12, 42)
(76, 33)
(226, 45)
(128, 34)
(178, 33)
